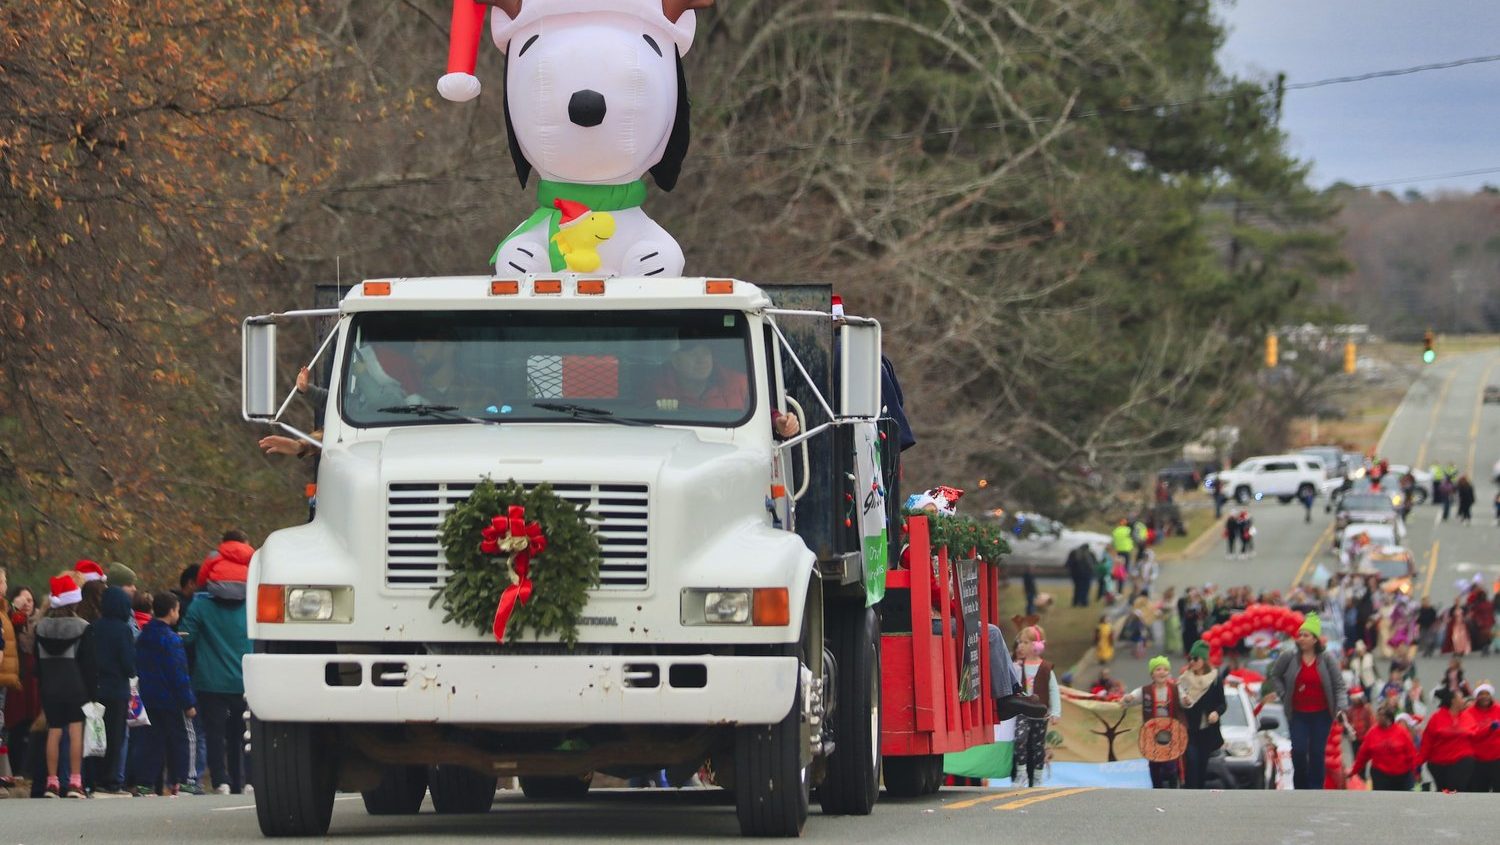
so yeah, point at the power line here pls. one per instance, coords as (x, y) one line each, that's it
(1104, 112)
(1483, 171)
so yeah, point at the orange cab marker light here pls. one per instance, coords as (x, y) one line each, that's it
(718, 286)
(505, 288)
(270, 603)
(771, 607)
(591, 287)
(547, 286)
(778, 491)
(377, 288)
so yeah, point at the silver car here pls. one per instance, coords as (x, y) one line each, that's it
(1045, 543)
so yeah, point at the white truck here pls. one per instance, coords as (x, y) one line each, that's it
(735, 619)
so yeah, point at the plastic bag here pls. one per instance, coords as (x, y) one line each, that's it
(95, 740)
(135, 711)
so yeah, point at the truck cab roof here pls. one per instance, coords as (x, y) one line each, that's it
(565, 291)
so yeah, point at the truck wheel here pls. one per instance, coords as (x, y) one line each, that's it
(1242, 495)
(852, 782)
(770, 783)
(912, 777)
(556, 789)
(456, 789)
(293, 771)
(400, 793)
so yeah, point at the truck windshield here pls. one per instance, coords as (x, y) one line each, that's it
(671, 368)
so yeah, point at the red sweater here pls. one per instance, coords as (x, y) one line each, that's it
(1486, 741)
(1389, 749)
(1446, 740)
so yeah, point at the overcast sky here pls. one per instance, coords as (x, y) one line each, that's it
(1382, 130)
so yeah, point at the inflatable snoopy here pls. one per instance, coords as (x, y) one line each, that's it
(595, 98)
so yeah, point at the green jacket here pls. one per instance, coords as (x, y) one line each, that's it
(1123, 537)
(216, 630)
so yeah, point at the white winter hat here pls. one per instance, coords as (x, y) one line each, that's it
(674, 18)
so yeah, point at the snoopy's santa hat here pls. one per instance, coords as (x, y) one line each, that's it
(674, 18)
(90, 571)
(65, 591)
(572, 212)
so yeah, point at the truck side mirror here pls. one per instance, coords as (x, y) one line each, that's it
(859, 358)
(258, 370)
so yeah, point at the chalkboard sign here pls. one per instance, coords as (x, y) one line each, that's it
(968, 602)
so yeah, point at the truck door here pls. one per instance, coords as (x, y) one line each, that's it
(786, 480)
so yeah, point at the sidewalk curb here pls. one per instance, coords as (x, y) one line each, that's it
(1196, 547)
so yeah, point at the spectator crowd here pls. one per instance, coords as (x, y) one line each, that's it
(110, 690)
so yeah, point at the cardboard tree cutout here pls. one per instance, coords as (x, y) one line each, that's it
(595, 99)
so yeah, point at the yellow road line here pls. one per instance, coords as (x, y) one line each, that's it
(973, 802)
(1325, 537)
(1432, 558)
(1478, 412)
(1037, 799)
(1432, 420)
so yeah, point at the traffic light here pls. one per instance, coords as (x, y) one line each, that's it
(1273, 350)
(1349, 357)
(1428, 354)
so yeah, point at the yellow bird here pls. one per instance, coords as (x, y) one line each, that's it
(579, 234)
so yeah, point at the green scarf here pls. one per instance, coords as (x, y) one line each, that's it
(596, 197)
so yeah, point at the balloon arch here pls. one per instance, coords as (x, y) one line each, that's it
(1256, 617)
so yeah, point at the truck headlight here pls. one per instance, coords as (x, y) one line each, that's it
(281, 603)
(765, 606)
(1240, 748)
(726, 607)
(309, 604)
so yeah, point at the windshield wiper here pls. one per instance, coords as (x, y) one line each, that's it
(581, 412)
(442, 412)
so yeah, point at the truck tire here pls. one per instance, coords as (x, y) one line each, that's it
(456, 790)
(852, 782)
(771, 786)
(556, 788)
(1242, 494)
(400, 793)
(913, 777)
(294, 774)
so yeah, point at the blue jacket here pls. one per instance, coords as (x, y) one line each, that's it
(161, 663)
(114, 646)
(215, 628)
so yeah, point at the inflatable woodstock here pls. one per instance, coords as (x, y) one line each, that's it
(595, 98)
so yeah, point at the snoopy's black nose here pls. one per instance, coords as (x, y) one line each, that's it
(586, 108)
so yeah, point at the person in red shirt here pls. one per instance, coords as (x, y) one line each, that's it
(1361, 716)
(1307, 680)
(1447, 745)
(1483, 721)
(1389, 751)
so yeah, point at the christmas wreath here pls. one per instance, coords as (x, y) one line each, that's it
(519, 559)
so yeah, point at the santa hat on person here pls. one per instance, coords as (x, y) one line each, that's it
(673, 18)
(90, 571)
(572, 212)
(65, 591)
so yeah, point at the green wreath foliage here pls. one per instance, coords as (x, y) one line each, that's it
(961, 533)
(561, 575)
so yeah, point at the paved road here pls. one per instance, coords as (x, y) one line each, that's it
(1130, 817)
(1441, 419)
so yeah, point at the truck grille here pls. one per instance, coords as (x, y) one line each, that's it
(414, 511)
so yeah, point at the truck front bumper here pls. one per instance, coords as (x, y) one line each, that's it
(520, 690)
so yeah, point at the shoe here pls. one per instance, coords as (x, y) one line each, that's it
(222, 789)
(75, 792)
(52, 792)
(143, 792)
(249, 790)
(189, 789)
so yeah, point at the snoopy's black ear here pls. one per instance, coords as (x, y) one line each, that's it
(669, 168)
(523, 167)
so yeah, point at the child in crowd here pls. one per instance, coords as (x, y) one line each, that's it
(167, 693)
(65, 668)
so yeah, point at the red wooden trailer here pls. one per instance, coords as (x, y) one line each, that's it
(921, 716)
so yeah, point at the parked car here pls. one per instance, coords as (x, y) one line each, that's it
(1245, 761)
(1394, 566)
(1284, 476)
(1332, 458)
(1045, 543)
(1491, 393)
(1279, 742)
(1422, 477)
(1183, 475)
(1368, 506)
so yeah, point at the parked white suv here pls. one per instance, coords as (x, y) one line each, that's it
(1284, 476)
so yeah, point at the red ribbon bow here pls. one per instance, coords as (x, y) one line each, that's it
(511, 534)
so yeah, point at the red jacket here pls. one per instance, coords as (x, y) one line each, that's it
(1389, 749)
(1446, 741)
(230, 563)
(1486, 740)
